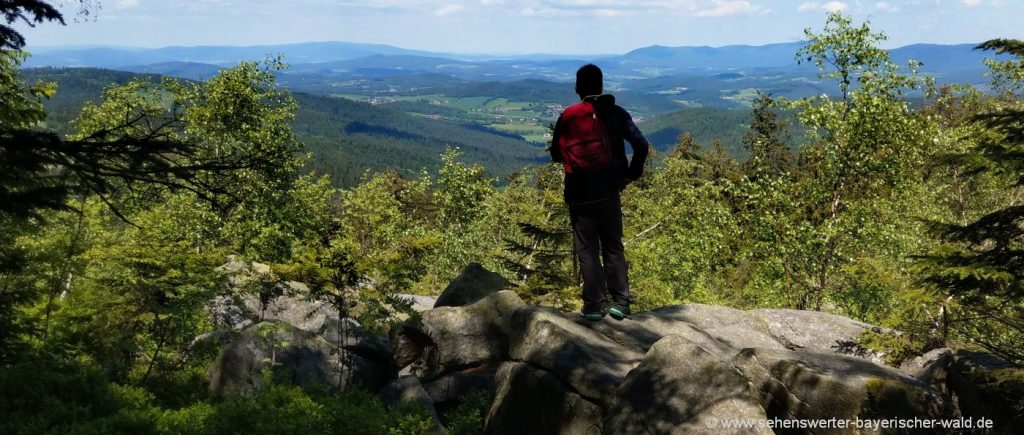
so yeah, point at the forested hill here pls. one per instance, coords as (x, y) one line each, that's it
(345, 137)
(75, 86)
(348, 137)
(706, 124)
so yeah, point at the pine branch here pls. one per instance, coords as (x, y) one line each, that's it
(1003, 46)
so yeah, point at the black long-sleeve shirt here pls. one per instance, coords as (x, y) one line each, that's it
(581, 188)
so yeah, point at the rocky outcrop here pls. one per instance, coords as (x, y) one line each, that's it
(534, 401)
(661, 396)
(585, 360)
(451, 339)
(674, 369)
(976, 384)
(298, 338)
(473, 284)
(666, 371)
(407, 389)
(814, 331)
(418, 303)
(811, 386)
(453, 387)
(285, 301)
(300, 357)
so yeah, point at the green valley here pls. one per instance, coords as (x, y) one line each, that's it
(501, 125)
(346, 137)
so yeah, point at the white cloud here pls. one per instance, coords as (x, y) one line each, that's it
(532, 8)
(621, 6)
(593, 8)
(725, 8)
(125, 4)
(832, 6)
(607, 12)
(976, 3)
(549, 12)
(809, 6)
(448, 9)
(887, 7)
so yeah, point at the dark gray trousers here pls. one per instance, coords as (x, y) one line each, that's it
(597, 238)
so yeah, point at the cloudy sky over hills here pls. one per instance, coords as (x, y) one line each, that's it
(522, 26)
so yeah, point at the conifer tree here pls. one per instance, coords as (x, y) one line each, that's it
(539, 255)
(981, 264)
(766, 140)
(686, 147)
(30, 12)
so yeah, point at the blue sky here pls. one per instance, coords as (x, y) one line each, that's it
(522, 26)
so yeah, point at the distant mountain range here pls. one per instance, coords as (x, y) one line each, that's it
(355, 59)
(116, 57)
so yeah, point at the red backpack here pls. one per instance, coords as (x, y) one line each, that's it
(583, 141)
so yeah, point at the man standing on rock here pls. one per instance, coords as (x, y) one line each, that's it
(589, 141)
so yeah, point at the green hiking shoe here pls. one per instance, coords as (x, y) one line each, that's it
(619, 311)
(592, 313)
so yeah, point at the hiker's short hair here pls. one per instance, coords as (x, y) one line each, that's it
(589, 80)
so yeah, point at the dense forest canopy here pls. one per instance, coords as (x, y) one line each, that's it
(345, 138)
(115, 231)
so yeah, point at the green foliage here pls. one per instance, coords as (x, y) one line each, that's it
(540, 254)
(143, 140)
(69, 397)
(467, 418)
(863, 150)
(1005, 383)
(765, 141)
(24, 187)
(897, 347)
(979, 265)
(116, 283)
(20, 104)
(461, 188)
(679, 233)
(239, 112)
(410, 418)
(846, 52)
(1007, 75)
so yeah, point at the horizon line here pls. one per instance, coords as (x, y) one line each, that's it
(29, 48)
